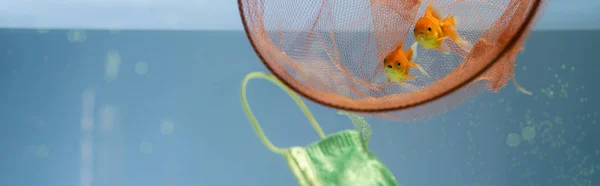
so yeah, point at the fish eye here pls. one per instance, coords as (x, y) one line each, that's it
(429, 28)
(398, 63)
(389, 66)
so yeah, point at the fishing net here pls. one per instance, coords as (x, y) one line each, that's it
(331, 52)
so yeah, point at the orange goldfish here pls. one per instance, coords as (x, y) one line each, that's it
(397, 64)
(430, 31)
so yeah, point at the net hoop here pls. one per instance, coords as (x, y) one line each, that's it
(401, 101)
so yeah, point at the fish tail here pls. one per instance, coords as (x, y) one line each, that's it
(450, 20)
(449, 27)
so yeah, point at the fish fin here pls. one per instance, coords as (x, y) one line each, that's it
(444, 48)
(399, 46)
(409, 53)
(413, 49)
(410, 77)
(441, 39)
(431, 11)
(419, 68)
(464, 44)
(413, 64)
(388, 80)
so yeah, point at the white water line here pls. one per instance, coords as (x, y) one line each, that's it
(87, 128)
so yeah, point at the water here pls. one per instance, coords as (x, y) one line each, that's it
(137, 108)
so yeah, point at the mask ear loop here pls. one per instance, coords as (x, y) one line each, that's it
(359, 125)
(293, 95)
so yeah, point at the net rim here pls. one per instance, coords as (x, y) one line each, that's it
(305, 91)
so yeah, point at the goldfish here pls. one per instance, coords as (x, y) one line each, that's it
(398, 62)
(430, 31)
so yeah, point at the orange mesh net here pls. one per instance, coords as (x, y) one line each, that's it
(331, 51)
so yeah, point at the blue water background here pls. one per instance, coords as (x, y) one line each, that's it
(193, 82)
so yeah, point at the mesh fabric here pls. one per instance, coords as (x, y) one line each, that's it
(331, 51)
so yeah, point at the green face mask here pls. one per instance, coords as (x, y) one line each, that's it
(340, 159)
